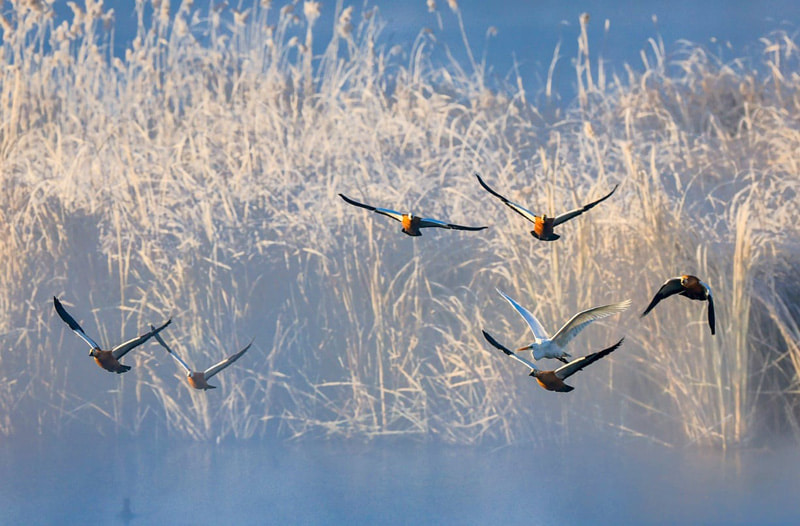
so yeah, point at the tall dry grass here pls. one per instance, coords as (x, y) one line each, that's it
(197, 177)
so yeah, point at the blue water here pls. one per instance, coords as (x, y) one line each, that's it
(85, 482)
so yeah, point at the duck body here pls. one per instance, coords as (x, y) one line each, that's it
(542, 225)
(106, 360)
(198, 381)
(554, 380)
(550, 381)
(690, 287)
(411, 223)
(546, 346)
(543, 228)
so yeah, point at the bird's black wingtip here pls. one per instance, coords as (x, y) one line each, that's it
(617, 345)
(489, 338)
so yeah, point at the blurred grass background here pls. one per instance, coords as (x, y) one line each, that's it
(197, 177)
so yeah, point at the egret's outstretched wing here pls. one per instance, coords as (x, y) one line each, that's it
(574, 366)
(712, 320)
(578, 211)
(579, 322)
(385, 211)
(214, 369)
(170, 351)
(536, 328)
(521, 210)
(69, 320)
(498, 345)
(669, 288)
(426, 222)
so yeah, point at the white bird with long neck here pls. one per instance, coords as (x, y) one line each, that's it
(544, 346)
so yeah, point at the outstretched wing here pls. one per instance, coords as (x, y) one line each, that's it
(579, 322)
(69, 320)
(712, 320)
(574, 366)
(124, 348)
(496, 344)
(670, 287)
(214, 369)
(170, 351)
(578, 211)
(521, 210)
(536, 327)
(385, 211)
(427, 223)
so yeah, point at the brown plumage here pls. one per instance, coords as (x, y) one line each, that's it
(691, 287)
(108, 360)
(199, 379)
(542, 225)
(554, 380)
(411, 223)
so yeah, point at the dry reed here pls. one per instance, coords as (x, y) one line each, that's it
(197, 177)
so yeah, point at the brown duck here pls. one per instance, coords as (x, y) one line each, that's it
(543, 226)
(411, 223)
(689, 286)
(554, 380)
(199, 379)
(108, 360)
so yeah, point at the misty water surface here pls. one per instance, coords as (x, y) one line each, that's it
(85, 482)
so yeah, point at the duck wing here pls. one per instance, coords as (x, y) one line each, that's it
(170, 351)
(521, 210)
(498, 345)
(669, 288)
(579, 322)
(69, 320)
(214, 369)
(427, 223)
(124, 348)
(578, 211)
(385, 211)
(712, 320)
(565, 371)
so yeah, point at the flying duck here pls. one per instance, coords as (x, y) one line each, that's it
(108, 360)
(544, 346)
(554, 380)
(542, 225)
(411, 223)
(199, 379)
(692, 288)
